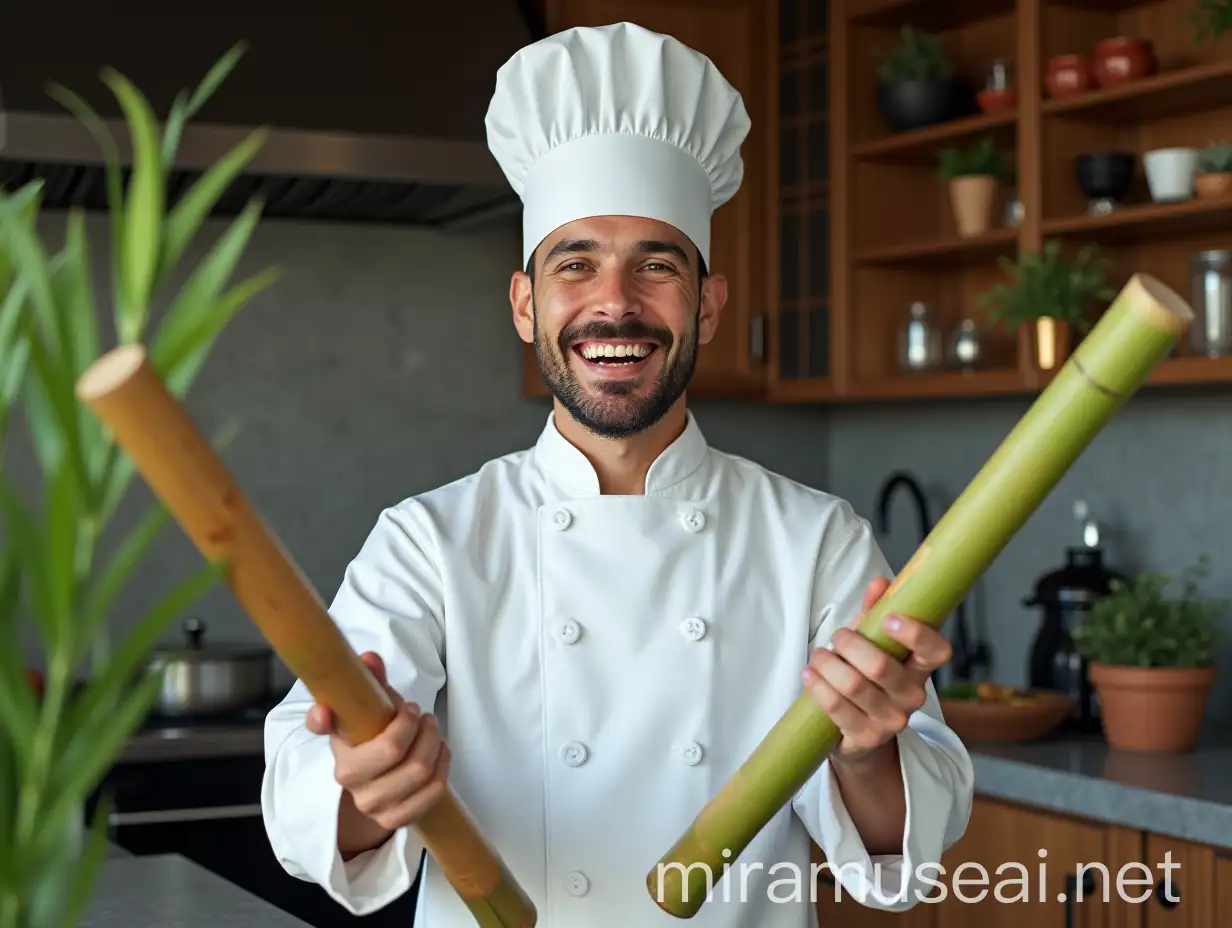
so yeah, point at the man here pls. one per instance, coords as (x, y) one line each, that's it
(591, 635)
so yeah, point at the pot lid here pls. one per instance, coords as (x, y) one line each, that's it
(195, 648)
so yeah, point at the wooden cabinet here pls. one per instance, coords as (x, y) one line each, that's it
(740, 37)
(1020, 866)
(843, 224)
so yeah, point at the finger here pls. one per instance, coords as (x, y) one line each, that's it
(374, 663)
(929, 648)
(878, 666)
(874, 591)
(406, 779)
(882, 711)
(319, 720)
(365, 762)
(416, 806)
(852, 721)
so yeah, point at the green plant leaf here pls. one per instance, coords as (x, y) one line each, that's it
(144, 209)
(183, 371)
(97, 701)
(86, 874)
(119, 569)
(63, 517)
(192, 209)
(87, 758)
(57, 388)
(18, 708)
(115, 189)
(25, 541)
(215, 76)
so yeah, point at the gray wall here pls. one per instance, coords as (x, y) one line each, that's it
(384, 363)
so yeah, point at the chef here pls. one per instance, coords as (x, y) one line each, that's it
(588, 636)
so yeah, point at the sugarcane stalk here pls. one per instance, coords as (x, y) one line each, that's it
(126, 393)
(1137, 330)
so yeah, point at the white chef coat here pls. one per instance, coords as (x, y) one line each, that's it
(601, 665)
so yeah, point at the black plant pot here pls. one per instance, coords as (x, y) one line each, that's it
(915, 104)
(1104, 178)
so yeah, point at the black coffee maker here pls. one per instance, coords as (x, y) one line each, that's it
(1065, 595)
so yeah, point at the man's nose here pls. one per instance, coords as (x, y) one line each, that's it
(615, 296)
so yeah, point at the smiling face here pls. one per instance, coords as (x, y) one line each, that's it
(616, 309)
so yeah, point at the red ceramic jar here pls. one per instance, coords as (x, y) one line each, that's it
(1122, 59)
(1066, 75)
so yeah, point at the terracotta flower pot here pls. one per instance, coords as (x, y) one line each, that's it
(1051, 342)
(974, 201)
(1066, 75)
(1122, 59)
(1214, 185)
(1155, 709)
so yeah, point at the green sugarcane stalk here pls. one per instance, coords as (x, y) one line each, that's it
(1138, 329)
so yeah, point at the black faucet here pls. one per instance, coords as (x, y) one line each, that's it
(961, 662)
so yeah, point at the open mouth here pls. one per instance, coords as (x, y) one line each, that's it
(615, 356)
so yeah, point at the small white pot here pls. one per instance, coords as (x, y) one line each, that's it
(1170, 173)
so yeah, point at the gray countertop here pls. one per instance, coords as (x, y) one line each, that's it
(169, 891)
(171, 743)
(1186, 796)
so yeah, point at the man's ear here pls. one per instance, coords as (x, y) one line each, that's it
(714, 298)
(522, 303)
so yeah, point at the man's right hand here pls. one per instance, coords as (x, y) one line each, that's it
(389, 781)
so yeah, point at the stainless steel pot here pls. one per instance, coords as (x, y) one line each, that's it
(201, 679)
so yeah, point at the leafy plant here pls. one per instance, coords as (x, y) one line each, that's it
(918, 56)
(1046, 284)
(58, 741)
(983, 158)
(1137, 625)
(1216, 158)
(1210, 18)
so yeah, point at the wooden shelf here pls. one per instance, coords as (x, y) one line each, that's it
(1137, 223)
(926, 14)
(1003, 382)
(924, 143)
(950, 250)
(1161, 96)
(1189, 370)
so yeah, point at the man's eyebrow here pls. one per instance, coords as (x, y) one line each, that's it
(571, 246)
(655, 247)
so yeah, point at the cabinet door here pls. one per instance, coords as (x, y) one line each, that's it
(740, 37)
(1019, 868)
(1183, 890)
(1223, 890)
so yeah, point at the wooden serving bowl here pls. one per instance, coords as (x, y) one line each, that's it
(1000, 721)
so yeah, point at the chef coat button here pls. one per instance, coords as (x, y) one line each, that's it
(694, 629)
(573, 753)
(569, 631)
(692, 753)
(693, 520)
(576, 883)
(561, 519)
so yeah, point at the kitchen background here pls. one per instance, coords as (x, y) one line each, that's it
(384, 363)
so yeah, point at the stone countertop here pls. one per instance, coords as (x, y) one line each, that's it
(1187, 796)
(186, 743)
(169, 891)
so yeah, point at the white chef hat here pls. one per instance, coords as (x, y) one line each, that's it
(616, 120)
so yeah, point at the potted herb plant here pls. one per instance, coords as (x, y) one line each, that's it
(1151, 659)
(1210, 19)
(1053, 293)
(974, 176)
(63, 727)
(915, 85)
(1214, 175)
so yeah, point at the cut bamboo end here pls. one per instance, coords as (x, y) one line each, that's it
(1157, 303)
(110, 372)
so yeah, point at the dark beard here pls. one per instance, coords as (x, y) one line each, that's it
(616, 414)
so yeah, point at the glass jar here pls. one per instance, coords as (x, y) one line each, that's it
(919, 340)
(1210, 295)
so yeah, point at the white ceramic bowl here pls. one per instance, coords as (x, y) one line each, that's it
(1170, 173)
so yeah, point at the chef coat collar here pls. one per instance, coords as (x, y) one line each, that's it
(679, 460)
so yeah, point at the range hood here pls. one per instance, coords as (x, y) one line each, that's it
(375, 110)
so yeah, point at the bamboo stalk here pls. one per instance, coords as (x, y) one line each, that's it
(177, 462)
(1133, 335)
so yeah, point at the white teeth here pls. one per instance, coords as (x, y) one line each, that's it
(615, 351)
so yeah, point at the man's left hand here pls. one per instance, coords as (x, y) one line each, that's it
(866, 692)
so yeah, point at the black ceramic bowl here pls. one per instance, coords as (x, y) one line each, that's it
(1105, 175)
(915, 104)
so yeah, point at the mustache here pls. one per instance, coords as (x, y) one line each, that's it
(597, 329)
